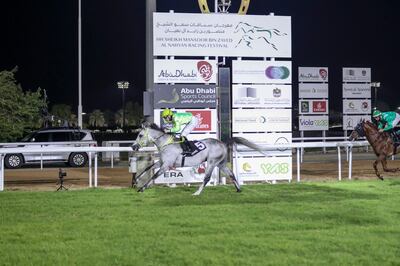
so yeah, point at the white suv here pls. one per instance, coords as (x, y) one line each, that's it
(52, 137)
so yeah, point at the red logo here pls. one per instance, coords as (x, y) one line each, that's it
(323, 73)
(204, 120)
(319, 106)
(205, 70)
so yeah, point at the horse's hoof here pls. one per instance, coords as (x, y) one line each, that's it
(238, 190)
(140, 190)
(381, 178)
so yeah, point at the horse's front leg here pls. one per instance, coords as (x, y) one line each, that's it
(380, 159)
(386, 169)
(154, 165)
(162, 170)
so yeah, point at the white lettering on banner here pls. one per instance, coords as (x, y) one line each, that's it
(350, 121)
(184, 34)
(261, 72)
(356, 90)
(261, 96)
(261, 120)
(356, 106)
(260, 169)
(356, 74)
(313, 90)
(313, 123)
(184, 175)
(185, 71)
(310, 74)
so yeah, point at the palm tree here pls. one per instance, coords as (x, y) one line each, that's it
(118, 118)
(96, 118)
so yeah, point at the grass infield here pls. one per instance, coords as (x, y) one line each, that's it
(338, 223)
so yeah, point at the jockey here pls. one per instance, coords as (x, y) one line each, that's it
(387, 121)
(178, 120)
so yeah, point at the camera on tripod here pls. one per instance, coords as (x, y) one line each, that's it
(61, 175)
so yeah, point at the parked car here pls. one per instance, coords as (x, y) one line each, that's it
(52, 137)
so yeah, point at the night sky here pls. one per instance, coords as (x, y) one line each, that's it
(41, 38)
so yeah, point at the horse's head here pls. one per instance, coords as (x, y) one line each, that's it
(358, 131)
(147, 134)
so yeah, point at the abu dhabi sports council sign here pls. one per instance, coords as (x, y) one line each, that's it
(351, 121)
(185, 71)
(263, 168)
(256, 72)
(356, 106)
(185, 96)
(307, 107)
(261, 96)
(356, 90)
(356, 74)
(261, 120)
(313, 74)
(313, 123)
(313, 90)
(185, 34)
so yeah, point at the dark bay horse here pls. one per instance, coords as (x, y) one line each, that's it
(381, 143)
(214, 152)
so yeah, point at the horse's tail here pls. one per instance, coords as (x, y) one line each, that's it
(244, 142)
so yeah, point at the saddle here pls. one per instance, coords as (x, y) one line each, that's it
(190, 148)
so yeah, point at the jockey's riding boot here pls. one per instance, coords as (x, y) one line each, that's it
(395, 138)
(185, 145)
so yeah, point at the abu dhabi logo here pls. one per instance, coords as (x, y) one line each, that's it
(323, 73)
(253, 34)
(277, 72)
(205, 70)
(364, 106)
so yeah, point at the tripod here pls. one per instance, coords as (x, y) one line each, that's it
(61, 175)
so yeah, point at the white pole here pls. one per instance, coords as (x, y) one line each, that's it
(95, 169)
(90, 169)
(350, 161)
(302, 149)
(80, 64)
(324, 139)
(41, 161)
(112, 159)
(339, 164)
(2, 173)
(298, 164)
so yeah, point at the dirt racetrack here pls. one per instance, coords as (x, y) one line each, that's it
(317, 167)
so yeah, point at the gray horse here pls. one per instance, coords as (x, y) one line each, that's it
(212, 151)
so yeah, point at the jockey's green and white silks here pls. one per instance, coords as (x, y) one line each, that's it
(188, 120)
(388, 120)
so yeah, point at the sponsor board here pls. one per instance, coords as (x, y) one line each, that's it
(313, 90)
(356, 90)
(185, 34)
(261, 120)
(313, 74)
(263, 168)
(267, 139)
(207, 119)
(356, 74)
(185, 96)
(356, 106)
(313, 107)
(256, 72)
(185, 175)
(313, 123)
(350, 121)
(261, 96)
(185, 71)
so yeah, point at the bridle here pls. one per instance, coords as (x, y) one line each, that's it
(360, 129)
(147, 138)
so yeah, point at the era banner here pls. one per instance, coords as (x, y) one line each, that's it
(185, 96)
(263, 168)
(313, 90)
(356, 74)
(313, 107)
(356, 106)
(185, 71)
(261, 96)
(356, 90)
(261, 120)
(186, 34)
(313, 74)
(313, 123)
(261, 72)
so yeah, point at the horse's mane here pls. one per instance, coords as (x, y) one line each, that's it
(155, 127)
(371, 124)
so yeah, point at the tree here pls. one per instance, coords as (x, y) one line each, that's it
(96, 118)
(134, 113)
(119, 117)
(62, 113)
(19, 111)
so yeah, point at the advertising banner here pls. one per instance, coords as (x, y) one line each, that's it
(185, 175)
(313, 90)
(313, 74)
(356, 90)
(356, 74)
(185, 96)
(267, 139)
(256, 72)
(313, 107)
(263, 168)
(313, 123)
(356, 106)
(185, 71)
(185, 34)
(261, 96)
(207, 119)
(350, 121)
(261, 120)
